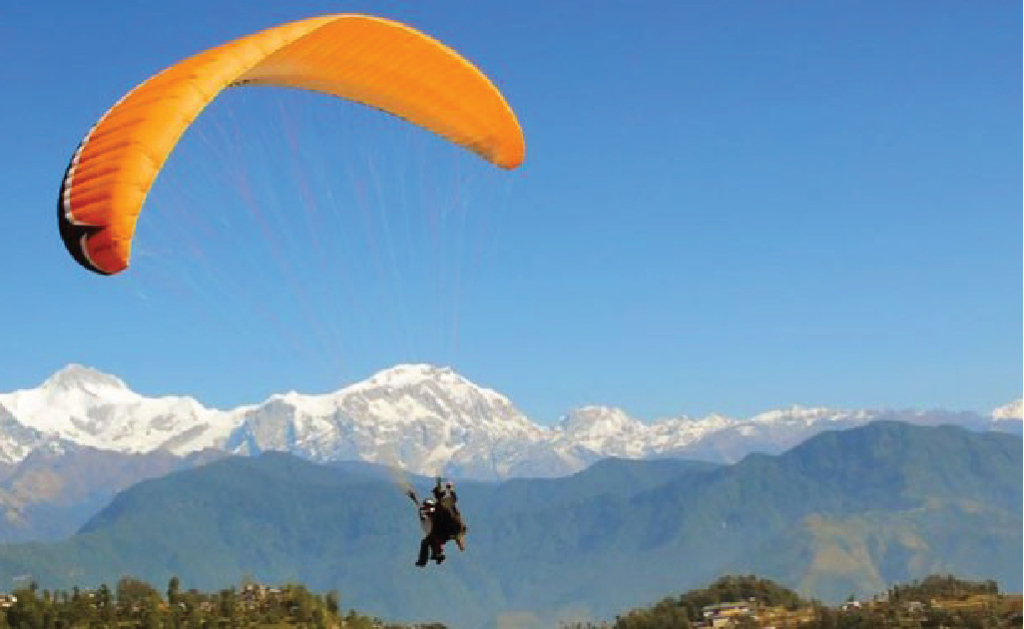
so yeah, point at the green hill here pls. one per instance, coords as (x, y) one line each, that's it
(845, 513)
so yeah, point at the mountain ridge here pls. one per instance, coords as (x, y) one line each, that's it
(423, 418)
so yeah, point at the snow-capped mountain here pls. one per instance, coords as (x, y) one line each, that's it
(91, 408)
(419, 417)
(422, 418)
(1013, 410)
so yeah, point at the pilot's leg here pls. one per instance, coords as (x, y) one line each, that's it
(437, 548)
(424, 546)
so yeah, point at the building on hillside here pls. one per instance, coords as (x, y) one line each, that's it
(724, 614)
(782, 618)
(256, 596)
(973, 603)
(7, 600)
(254, 592)
(742, 613)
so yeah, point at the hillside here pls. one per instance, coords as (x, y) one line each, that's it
(54, 490)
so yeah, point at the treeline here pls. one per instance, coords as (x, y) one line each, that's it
(137, 604)
(936, 601)
(681, 611)
(941, 586)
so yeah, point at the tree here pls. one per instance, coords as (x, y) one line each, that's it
(105, 603)
(333, 602)
(27, 611)
(941, 586)
(173, 587)
(226, 603)
(133, 594)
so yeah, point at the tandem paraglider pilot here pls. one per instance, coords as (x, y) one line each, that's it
(441, 522)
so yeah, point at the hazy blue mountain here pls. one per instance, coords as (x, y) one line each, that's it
(847, 512)
(54, 490)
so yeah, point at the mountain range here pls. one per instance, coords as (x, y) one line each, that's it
(847, 512)
(422, 418)
(68, 445)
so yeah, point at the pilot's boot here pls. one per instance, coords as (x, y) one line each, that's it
(436, 550)
(422, 560)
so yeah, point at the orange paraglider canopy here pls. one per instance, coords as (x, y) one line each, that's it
(369, 60)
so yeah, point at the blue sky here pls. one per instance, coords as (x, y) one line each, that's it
(725, 207)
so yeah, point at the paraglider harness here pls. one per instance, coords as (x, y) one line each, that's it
(441, 522)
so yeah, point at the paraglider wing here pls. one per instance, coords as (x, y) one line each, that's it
(366, 59)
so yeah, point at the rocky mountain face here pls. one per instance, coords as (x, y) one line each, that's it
(425, 419)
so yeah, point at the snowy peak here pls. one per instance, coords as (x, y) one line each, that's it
(591, 432)
(806, 416)
(76, 377)
(596, 422)
(419, 417)
(408, 392)
(422, 378)
(411, 375)
(1013, 410)
(65, 399)
(86, 406)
